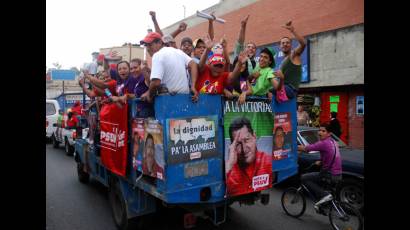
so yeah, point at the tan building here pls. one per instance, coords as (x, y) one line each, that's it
(126, 52)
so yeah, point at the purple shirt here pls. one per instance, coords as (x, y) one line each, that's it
(327, 149)
(123, 86)
(140, 87)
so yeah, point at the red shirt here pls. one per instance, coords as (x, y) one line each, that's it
(72, 122)
(157, 171)
(206, 83)
(76, 110)
(242, 181)
(112, 85)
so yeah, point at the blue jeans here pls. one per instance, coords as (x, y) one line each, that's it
(312, 181)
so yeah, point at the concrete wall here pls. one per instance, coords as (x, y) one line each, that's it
(337, 57)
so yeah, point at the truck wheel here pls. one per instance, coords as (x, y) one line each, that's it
(83, 177)
(68, 148)
(119, 209)
(55, 142)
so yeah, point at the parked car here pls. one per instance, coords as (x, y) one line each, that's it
(67, 136)
(351, 189)
(52, 111)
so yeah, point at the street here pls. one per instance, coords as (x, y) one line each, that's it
(73, 205)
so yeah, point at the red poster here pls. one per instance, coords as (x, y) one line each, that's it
(114, 129)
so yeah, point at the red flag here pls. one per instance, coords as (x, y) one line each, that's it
(114, 132)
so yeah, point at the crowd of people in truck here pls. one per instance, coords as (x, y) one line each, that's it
(201, 66)
(198, 66)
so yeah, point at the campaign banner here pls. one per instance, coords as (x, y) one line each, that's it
(153, 162)
(191, 139)
(114, 129)
(137, 135)
(282, 136)
(248, 146)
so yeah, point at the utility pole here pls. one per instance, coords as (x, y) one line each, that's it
(184, 9)
(129, 44)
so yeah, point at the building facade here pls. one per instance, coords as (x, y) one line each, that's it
(334, 30)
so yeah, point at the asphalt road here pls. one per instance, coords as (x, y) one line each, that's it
(73, 205)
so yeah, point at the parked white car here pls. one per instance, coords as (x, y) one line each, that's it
(65, 136)
(52, 111)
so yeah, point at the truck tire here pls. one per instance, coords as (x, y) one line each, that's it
(119, 209)
(55, 142)
(69, 150)
(83, 177)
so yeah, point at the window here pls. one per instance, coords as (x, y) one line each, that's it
(310, 136)
(50, 109)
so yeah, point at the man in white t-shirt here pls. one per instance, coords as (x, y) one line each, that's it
(169, 68)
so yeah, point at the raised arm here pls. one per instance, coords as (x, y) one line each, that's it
(182, 27)
(233, 76)
(97, 82)
(211, 26)
(209, 44)
(241, 38)
(302, 44)
(89, 93)
(154, 20)
(224, 44)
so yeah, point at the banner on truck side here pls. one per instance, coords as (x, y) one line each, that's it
(248, 146)
(114, 130)
(282, 136)
(137, 135)
(153, 154)
(192, 139)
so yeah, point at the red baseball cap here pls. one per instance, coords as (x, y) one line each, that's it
(151, 36)
(113, 66)
(216, 59)
(100, 57)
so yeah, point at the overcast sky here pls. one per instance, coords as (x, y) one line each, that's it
(76, 28)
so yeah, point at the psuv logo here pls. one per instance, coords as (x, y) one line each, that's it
(112, 136)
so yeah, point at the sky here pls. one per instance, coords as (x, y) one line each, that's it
(76, 28)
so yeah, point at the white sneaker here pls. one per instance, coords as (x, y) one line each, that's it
(323, 200)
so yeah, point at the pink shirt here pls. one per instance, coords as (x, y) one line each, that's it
(327, 148)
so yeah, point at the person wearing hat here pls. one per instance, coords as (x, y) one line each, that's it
(291, 66)
(187, 46)
(168, 68)
(213, 78)
(263, 73)
(169, 41)
(199, 48)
